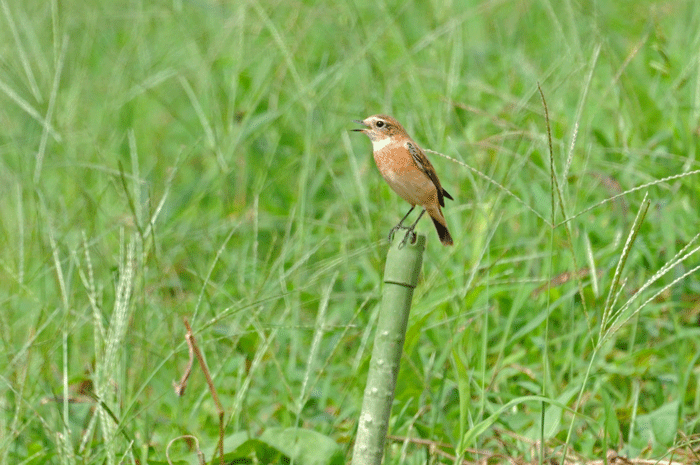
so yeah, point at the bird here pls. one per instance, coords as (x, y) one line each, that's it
(404, 166)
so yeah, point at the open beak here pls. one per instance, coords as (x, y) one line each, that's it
(360, 122)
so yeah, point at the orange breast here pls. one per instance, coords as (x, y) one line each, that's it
(401, 173)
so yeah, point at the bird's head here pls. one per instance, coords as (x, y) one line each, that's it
(381, 127)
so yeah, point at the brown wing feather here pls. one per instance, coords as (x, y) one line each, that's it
(425, 166)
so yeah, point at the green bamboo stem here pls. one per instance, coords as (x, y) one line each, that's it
(403, 265)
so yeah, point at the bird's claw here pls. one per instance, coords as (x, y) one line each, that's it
(396, 228)
(410, 233)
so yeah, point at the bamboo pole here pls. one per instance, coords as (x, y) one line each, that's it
(403, 265)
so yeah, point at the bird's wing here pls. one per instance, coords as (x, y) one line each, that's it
(426, 167)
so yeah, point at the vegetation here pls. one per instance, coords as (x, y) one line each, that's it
(172, 159)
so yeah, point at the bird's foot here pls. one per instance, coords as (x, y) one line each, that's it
(410, 237)
(394, 229)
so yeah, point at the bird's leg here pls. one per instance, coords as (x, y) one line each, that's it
(410, 232)
(400, 225)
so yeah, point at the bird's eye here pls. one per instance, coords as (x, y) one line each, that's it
(380, 124)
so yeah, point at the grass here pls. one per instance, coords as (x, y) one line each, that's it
(162, 160)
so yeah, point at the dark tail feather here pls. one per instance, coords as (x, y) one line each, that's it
(442, 231)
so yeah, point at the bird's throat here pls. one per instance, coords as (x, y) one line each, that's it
(378, 145)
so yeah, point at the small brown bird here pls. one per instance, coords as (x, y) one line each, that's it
(408, 171)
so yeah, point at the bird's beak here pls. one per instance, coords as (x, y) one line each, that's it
(360, 122)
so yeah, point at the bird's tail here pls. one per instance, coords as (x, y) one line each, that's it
(441, 226)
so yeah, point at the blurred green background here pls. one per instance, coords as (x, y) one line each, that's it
(168, 159)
